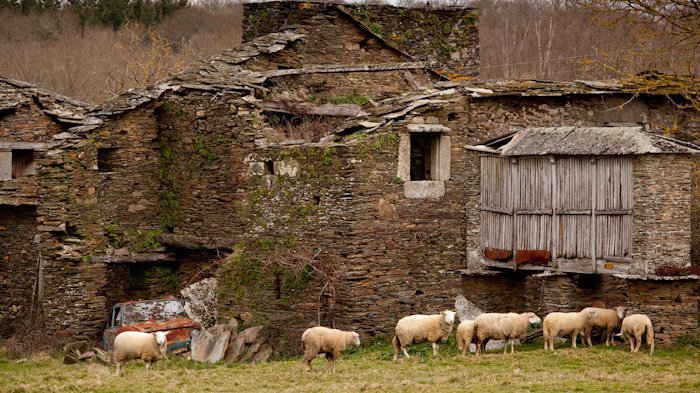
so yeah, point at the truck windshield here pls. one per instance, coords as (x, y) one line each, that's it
(158, 310)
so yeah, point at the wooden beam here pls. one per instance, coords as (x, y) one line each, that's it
(312, 108)
(134, 258)
(330, 68)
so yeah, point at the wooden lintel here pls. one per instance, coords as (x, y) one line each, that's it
(329, 69)
(311, 108)
(134, 258)
(494, 209)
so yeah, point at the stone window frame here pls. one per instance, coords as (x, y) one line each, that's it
(440, 160)
(10, 153)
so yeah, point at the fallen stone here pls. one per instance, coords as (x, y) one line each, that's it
(253, 349)
(251, 334)
(234, 350)
(208, 347)
(247, 319)
(263, 354)
(75, 352)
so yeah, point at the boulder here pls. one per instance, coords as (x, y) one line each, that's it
(200, 302)
(210, 345)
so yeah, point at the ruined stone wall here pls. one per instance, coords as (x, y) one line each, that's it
(335, 40)
(446, 36)
(661, 231)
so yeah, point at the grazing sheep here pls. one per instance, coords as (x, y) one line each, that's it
(332, 342)
(500, 326)
(608, 320)
(565, 323)
(422, 328)
(465, 335)
(149, 347)
(633, 328)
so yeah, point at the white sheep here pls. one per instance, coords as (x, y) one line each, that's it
(501, 326)
(422, 328)
(149, 347)
(633, 328)
(608, 320)
(465, 335)
(332, 342)
(564, 324)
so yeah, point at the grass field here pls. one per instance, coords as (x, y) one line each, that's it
(370, 369)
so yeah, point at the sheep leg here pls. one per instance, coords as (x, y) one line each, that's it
(574, 338)
(405, 352)
(119, 364)
(435, 348)
(512, 345)
(307, 362)
(148, 365)
(638, 339)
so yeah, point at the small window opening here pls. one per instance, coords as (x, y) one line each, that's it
(269, 167)
(23, 163)
(107, 159)
(422, 152)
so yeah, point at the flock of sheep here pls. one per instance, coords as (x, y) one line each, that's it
(435, 329)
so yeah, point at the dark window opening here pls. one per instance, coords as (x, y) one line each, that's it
(107, 159)
(22, 163)
(269, 167)
(422, 145)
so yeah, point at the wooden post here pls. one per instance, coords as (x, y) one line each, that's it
(516, 199)
(555, 223)
(594, 189)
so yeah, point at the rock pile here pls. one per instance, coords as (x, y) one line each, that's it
(225, 342)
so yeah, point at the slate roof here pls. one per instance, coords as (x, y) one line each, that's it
(597, 141)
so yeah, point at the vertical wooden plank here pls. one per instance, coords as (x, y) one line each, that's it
(594, 183)
(554, 238)
(516, 197)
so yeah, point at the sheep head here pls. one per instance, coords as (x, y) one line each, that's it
(533, 318)
(355, 339)
(449, 316)
(621, 312)
(162, 341)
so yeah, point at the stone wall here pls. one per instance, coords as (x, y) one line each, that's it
(671, 305)
(18, 258)
(663, 190)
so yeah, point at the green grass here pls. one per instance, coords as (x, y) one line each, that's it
(370, 369)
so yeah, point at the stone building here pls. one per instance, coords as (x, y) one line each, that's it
(325, 157)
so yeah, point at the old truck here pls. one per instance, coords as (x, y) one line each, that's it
(152, 315)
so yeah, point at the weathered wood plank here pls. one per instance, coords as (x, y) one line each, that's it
(312, 108)
(331, 68)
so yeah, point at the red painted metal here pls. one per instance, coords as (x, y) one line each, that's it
(534, 257)
(496, 254)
